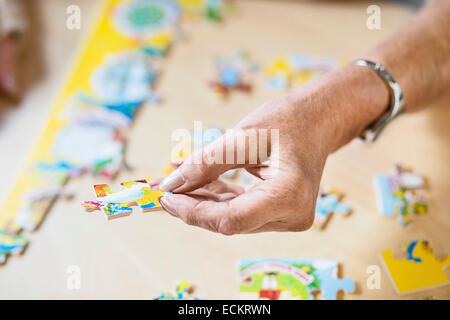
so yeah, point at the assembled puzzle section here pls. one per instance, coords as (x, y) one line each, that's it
(119, 204)
(184, 290)
(328, 202)
(287, 279)
(11, 245)
(89, 122)
(401, 195)
(420, 270)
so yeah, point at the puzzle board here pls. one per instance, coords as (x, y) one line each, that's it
(89, 56)
(418, 270)
(112, 76)
(294, 279)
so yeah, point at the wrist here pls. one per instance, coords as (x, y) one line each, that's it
(355, 97)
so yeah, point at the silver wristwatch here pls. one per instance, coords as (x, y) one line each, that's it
(397, 104)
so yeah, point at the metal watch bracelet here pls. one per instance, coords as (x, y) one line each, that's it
(397, 104)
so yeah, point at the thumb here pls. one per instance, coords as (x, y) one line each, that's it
(203, 166)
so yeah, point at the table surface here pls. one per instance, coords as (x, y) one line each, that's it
(141, 256)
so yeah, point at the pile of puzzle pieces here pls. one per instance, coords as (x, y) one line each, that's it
(184, 290)
(401, 194)
(420, 270)
(286, 279)
(232, 74)
(328, 202)
(119, 204)
(295, 69)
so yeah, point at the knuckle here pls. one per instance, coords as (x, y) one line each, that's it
(228, 225)
(304, 221)
(190, 218)
(302, 197)
(308, 221)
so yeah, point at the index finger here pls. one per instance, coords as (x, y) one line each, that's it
(242, 214)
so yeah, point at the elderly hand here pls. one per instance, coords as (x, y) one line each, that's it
(312, 122)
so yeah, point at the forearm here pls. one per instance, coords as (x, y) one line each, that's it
(418, 55)
(346, 101)
(340, 104)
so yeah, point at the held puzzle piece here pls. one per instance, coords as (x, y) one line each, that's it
(119, 204)
(184, 290)
(11, 245)
(401, 194)
(328, 202)
(285, 279)
(420, 270)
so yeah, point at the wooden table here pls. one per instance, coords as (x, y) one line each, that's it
(140, 256)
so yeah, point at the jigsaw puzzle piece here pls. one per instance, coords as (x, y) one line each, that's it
(277, 279)
(330, 284)
(400, 194)
(233, 73)
(388, 204)
(36, 204)
(296, 69)
(280, 279)
(119, 204)
(184, 290)
(326, 204)
(11, 245)
(420, 270)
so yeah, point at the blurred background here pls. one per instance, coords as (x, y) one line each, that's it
(140, 256)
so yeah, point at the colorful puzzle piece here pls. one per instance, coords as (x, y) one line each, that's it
(11, 245)
(283, 279)
(419, 271)
(295, 69)
(328, 202)
(427, 298)
(400, 194)
(119, 204)
(233, 74)
(184, 290)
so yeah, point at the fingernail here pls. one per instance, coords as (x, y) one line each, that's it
(172, 181)
(167, 206)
